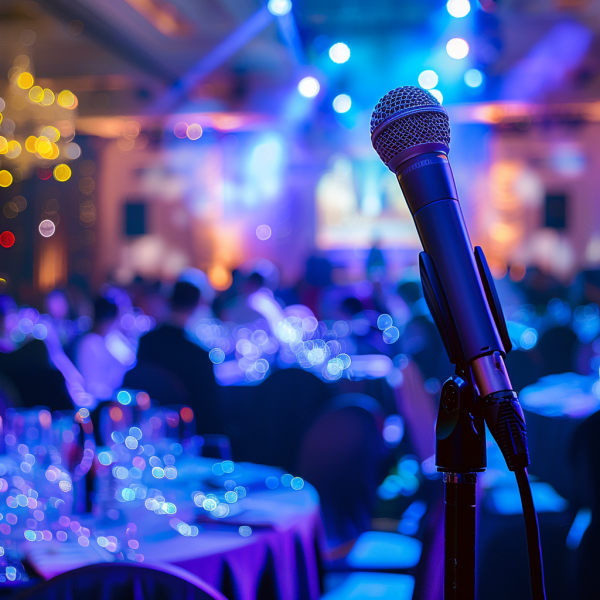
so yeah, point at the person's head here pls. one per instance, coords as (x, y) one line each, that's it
(184, 300)
(105, 313)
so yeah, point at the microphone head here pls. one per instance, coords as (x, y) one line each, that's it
(405, 118)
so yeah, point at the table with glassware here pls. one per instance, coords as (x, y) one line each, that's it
(147, 496)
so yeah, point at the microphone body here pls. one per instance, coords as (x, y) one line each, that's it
(428, 186)
(411, 133)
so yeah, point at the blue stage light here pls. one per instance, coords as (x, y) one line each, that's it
(428, 79)
(339, 53)
(279, 8)
(342, 103)
(309, 87)
(458, 8)
(473, 78)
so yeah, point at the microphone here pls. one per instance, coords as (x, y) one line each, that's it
(410, 132)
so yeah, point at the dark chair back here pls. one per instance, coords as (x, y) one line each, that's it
(124, 581)
(160, 384)
(342, 455)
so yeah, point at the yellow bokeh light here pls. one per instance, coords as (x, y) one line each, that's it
(66, 99)
(43, 145)
(1, 117)
(36, 93)
(48, 97)
(51, 133)
(5, 178)
(62, 172)
(14, 149)
(30, 143)
(25, 80)
(3, 145)
(55, 152)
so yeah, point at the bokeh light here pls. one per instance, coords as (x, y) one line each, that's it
(66, 99)
(51, 133)
(342, 103)
(14, 149)
(180, 129)
(437, 95)
(47, 228)
(73, 150)
(279, 8)
(7, 239)
(194, 131)
(62, 172)
(309, 87)
(473, 78)
(5, 178)
(263, 232)
(339, 53)
(25, 80)
(428, 79)
(36, 93)
(458, 8)
(48, 97)
(457, 48)
(3, 145)
(30, 144)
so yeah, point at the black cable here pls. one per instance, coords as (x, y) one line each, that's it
(534, 548)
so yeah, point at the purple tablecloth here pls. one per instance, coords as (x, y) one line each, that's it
(285, 523)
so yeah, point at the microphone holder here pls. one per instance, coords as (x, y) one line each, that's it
(460, 455)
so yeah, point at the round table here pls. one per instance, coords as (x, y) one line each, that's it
(278, 560)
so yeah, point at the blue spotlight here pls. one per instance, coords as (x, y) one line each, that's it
(279, 8)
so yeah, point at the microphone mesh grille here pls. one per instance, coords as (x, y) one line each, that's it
(420, 128)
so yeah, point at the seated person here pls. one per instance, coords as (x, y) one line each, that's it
(103, 355)
(175, 370)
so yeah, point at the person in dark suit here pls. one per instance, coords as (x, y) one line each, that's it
(175, 370)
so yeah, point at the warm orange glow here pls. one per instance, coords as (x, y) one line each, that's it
(52, 267)
(5, 178)
(30, 144)
(517, 272)
(220, 277)
(43, 146)
(116, 414)
(62, 172)
(498, 267)
(3, 145)
(162, 15)
(187, 414)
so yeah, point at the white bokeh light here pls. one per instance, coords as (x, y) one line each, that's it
(458, 8)
(473, 78)
(279, 8)
(263, 232)
(339, 53)
(309, 87)
(437, 95)
(428, 79)
(342, 103)
(457, 48)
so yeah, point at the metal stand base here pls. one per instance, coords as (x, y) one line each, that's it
(459, 536)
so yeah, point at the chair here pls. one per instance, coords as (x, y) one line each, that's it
(342, 455)
(123, 581)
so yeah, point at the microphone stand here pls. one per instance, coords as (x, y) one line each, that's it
(460, 455)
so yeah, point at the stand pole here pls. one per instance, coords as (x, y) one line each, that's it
(459, 536)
